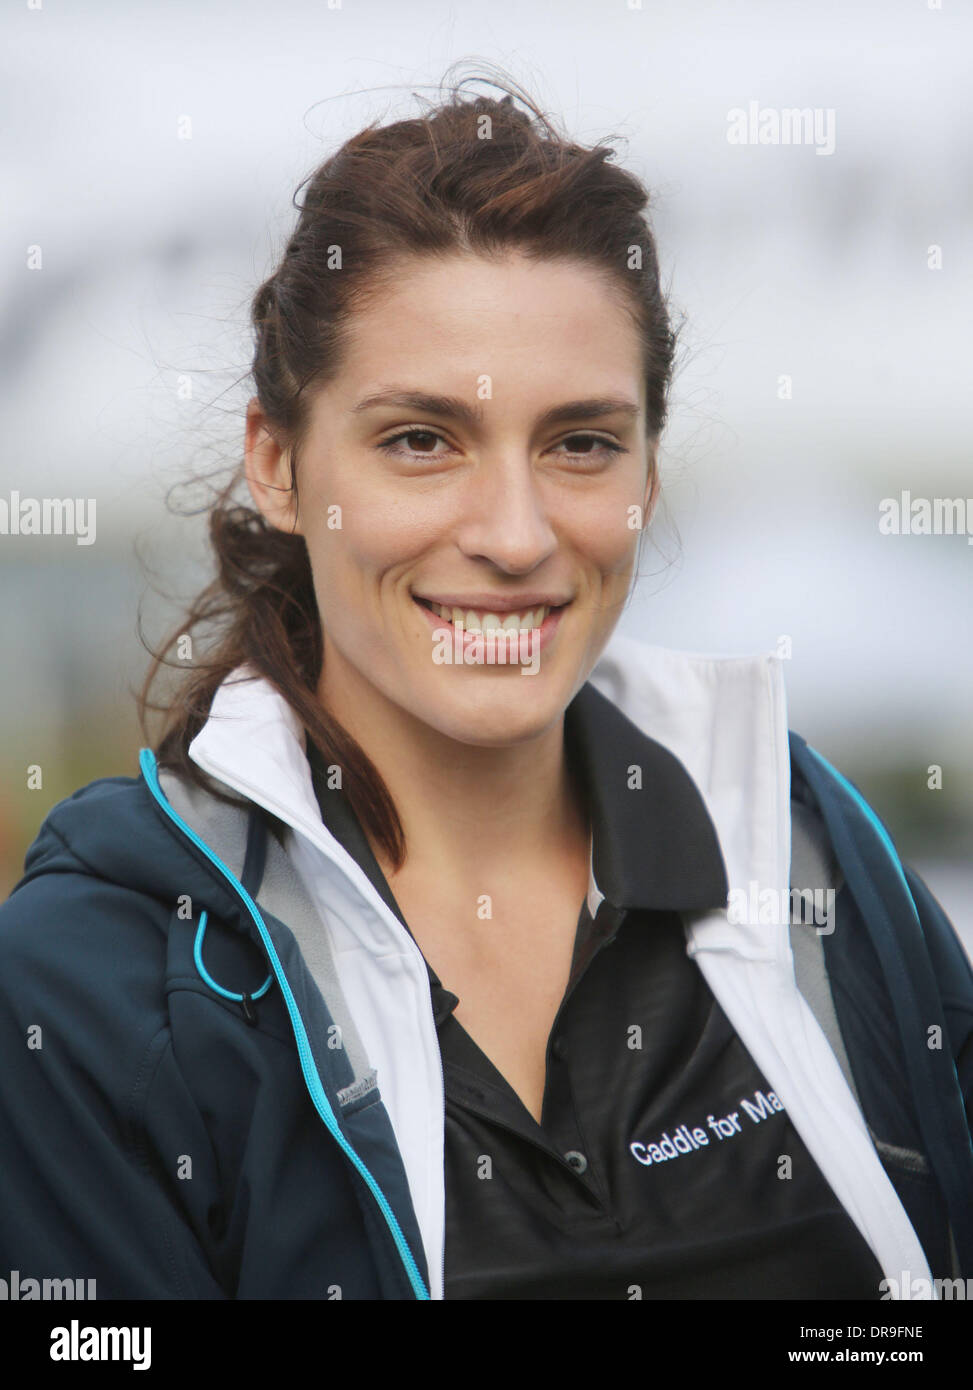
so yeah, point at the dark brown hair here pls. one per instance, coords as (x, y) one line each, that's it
(473, 174)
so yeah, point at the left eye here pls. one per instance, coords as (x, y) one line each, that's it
(597, 442)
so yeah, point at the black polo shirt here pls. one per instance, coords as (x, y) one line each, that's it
(659, 1167)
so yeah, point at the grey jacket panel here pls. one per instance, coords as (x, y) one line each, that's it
(814, 865)
(282, 894)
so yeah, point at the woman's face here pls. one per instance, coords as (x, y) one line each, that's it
(483, 448)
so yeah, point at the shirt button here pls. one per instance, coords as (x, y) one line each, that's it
(559, 1048)
(577, 1160)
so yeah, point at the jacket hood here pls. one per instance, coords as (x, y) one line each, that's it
(114, 829)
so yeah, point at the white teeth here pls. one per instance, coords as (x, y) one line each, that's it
(483, 622)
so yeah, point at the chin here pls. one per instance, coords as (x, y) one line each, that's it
(494, 718)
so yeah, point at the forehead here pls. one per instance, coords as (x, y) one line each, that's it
(453, 321)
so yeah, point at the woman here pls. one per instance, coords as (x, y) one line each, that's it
(422, 961)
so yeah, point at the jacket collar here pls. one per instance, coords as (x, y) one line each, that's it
(725, 719)
(654, 844)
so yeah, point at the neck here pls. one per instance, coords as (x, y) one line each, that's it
(510, 808)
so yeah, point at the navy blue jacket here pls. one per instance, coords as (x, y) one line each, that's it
(174, 1138)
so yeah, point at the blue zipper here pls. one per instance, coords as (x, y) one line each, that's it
(873, 820)
(312, 1080)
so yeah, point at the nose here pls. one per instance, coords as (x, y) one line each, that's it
(505, 516)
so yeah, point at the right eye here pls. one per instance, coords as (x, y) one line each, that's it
(387, 445)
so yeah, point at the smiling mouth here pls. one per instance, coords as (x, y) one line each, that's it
(483, 620)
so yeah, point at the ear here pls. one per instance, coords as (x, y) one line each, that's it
(268, 472)
(653, 484)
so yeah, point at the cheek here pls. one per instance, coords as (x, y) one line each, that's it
(604, 530)
(364, 545)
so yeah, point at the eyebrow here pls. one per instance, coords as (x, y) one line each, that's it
(454, 407)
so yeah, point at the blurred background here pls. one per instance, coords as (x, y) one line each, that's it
(150, 157)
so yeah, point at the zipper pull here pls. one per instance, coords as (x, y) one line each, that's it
(249, 1012)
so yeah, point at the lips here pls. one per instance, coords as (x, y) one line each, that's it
(486, 603)
(540, 638)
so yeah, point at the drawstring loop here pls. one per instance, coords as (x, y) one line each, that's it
(246, 1000)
